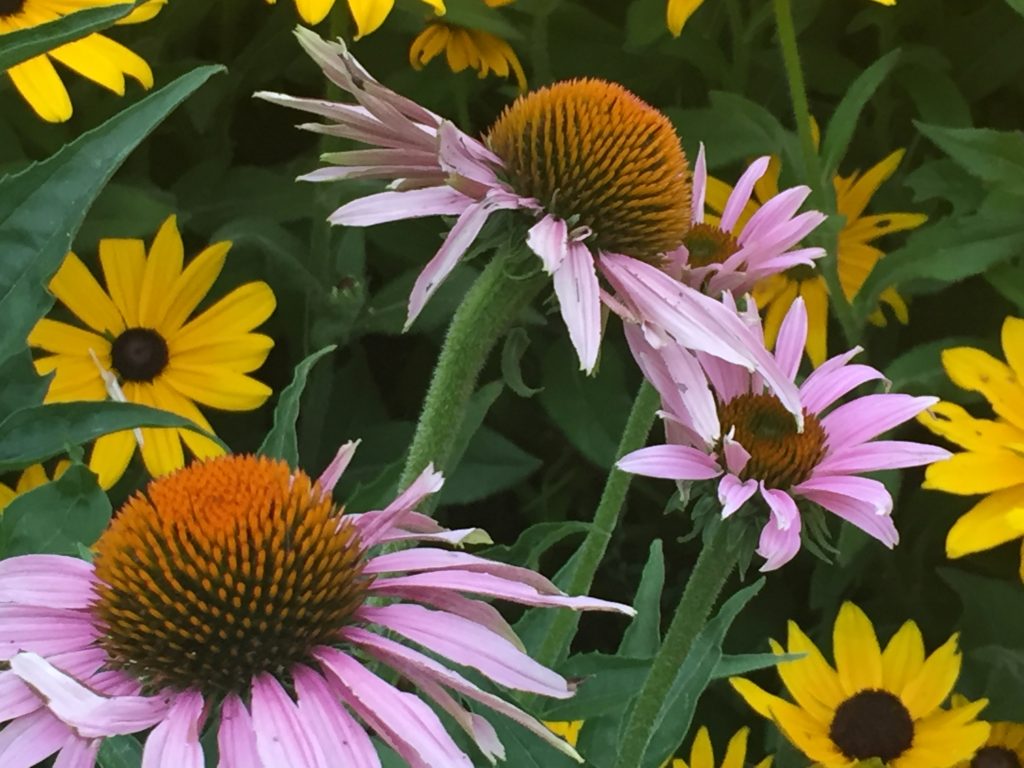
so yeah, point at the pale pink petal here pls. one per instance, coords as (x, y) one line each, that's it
(456, 538)
(549, 239)
(879, 454)
(685, 371)
(236, 739)
(397, 206)
(741, 193)
(469, 644)
(780, 537)
(864, 489)
(775, 211)
(783, 509)
(699, 187)
(16, 698)
(174, 743)
(43, 630)
(457, 155)
(425, 177)
(727, 380)
(372, 526)
(735, 455)
(733, 493)
(53, 581)
(476, 727)
(78, 753)
(27, 741)
(670, 462)
(579, 301)
(432, 559)
(281, 736)
(407, 724)
(337, 467)
(340, 737)
(655, 369)
(867, 417)
(789, 348)
(870, 513)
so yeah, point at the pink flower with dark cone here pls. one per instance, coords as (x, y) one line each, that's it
(596, 172)
(720, 422)
(235, 593)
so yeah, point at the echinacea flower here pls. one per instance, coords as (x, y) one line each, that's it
(235, 590)
(722, 423)
(599, 172)
(678, 12)
(367, 14)
(856, 255)
(29, 480)
(143, 345)
(96, 57)
(991, 462)
(875, 704)
(464, 47)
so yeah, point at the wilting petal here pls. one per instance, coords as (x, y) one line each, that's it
(733, 493)
(579, 301)
(549, 239)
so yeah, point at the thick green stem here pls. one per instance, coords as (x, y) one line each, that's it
(715, 563)
(490, 306)
(590, 554)
(812, 163)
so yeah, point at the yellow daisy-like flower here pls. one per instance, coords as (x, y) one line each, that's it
(464, 48)
(143, 345)
(367, 14)
(1003, 749)
(702, 754)
(30, 479)
(875, 704)
(95, 56)
(856, 254)
(680, 11)
(991, 462)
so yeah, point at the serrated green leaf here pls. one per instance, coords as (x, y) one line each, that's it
(42, 207)
(643, 636)
(993, 156)
(37, 433)
(23, 44)
(281, 442)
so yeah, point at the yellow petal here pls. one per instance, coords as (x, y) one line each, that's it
(240, 354)
(218, 388)
(38, 83)
(679, 12)
(314, 11)
(777, 310)
(75, 286)
(33, 477)
(1013, 345)
(767, 186)
(239, 312)
(161, 448)
(817, 683)
(855, 200)
(85, 59)
(868, 228)
(163, 268)
(987, 524)
(193, 285)
(124, 264)
(439, 9)
(75, 378)
(902, 658)
(858, 657)
(202, 447)
(948, 736)
(701, 753)
(110, 456)
(55, 336)
(978, 371)
(755, 696)
(899, 307)
(932, 685)
(369, 14)
(569, 730)
(815, 297)
(144, 12)
(428, 44)
(6, 496)
(952, 422)
(969, 472)
(736, 752)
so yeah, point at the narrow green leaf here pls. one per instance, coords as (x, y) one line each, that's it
(993, 156)
(42, 207)
(57, 517)
(643, 636)
(281, 442)
(37, 433)
(492, 463)
(1017, 5)
(744, 663)
(516, 343)
(847, 113)
(23, 44)
(534, 542)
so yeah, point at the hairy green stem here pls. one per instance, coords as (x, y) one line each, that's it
(490, 306)
(715, 563)
(590, 554)
(812, 163)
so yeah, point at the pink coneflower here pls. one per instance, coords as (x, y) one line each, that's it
(597, 172)
(722, 423)
(235, 590)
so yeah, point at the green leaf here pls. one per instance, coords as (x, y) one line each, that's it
(744, 663)
(22, 386)
(281, 442)
(919, 371)
(847, 113)
(1017, 5)
(491, 464)
(120, 752)
(643, 636)
(607, 682)
(993, 156)
(56, 517)
(534, 542)
(23, 44)
(516, 343)
(42, 207)
(472, 14)
(37, 433)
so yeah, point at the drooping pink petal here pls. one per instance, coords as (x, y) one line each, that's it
(338, 465)
(43, 630)
(735, 455)
(236, 739)
(342, 739)
(867, 417)
(431, 559)
(685, 372)
(733, 493)
(783, 509)
(879, 454)
(866, 490)
(780, 537)
(457, 155)
(670, 462)
(789, 347)
(469, 644)
(476, 727)
(174, 743)
(29, 740)
(79, 753)
(727, 380)
(579, 301)
(388, 206)
(53, 581)
(405, 722)
(775, 211)
(281, 735)
(699, 187)
(741, 193)
(871, 514)
(833, 379)
(549, 239)
(372, 526)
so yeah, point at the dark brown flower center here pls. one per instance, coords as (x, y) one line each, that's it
(597, 156)
(872, 724)
(223, 570)
(779, 455)
(139, 354)
(11, 7)
(996, 757)
(707, 244)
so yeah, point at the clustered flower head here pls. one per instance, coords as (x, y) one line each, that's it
(235, 594)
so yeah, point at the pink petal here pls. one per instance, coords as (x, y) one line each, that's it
(236, 739)
(741, 193)
(337, 467)
(733, 493)
(43, 630)
(52, 581)
(174, 743)
(870, 513)
(789, 348)
(78, 753)
(833, 379)
(880, 454)
(866, 490)
(735, 455)
(780, 537)
(775, 211)
(867, 417)
(340, 736)
(685, 371)
(27, 741)
(699, 186)
(457, 156)
(549, 239)
(727, 380)
(476, 727)
(432, 559)
(468, 644)
(282, 737)
(372, 526)
(670, 462)
(407, 724)
(579, 301)
(388, 206)
(17, 699)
